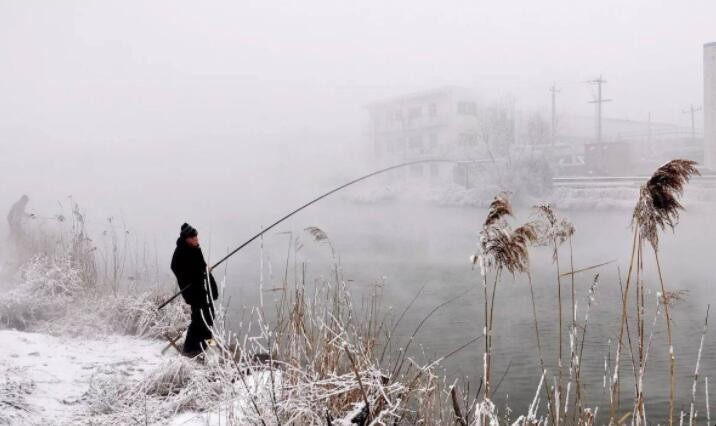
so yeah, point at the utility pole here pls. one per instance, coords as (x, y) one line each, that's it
(554, 91)
(599, 101)
(692, 111)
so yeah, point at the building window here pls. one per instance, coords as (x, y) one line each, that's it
(416, 142)
(433, 109)
(467, 139)
(434, 171)
(377, 120)
(433, 140)
(416, 170)
(399, 145)
(415, 112)
(467, 108)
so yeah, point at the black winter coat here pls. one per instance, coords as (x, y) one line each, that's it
(189, 267)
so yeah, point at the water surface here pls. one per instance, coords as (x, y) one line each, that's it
(403, 247)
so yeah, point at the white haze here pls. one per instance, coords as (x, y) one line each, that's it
(222, 112)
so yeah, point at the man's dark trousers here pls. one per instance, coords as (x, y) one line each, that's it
(198, 333)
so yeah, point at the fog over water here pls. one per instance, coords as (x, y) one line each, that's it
(403, 247)
(231, 114)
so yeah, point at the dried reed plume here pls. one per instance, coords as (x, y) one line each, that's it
(500, 207)
(658, 205)
(552, 229)
(317, 233)
(507, 248)
(503, 247)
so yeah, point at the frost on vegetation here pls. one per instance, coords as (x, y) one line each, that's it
(176, 386)
(50, 296)
(47, 285)
(486, 413)
(134, 315)
(15, 386)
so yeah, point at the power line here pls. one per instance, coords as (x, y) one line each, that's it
(599, 101)
(554, 91)
(692, 111)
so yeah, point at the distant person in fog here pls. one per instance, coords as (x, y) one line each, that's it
(190, 269)
(15, 219)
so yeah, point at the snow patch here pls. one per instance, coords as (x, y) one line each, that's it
(50, 376)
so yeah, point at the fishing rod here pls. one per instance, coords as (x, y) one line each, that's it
(319, 198)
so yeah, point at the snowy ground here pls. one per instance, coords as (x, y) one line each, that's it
(43, 379)
(70, 355)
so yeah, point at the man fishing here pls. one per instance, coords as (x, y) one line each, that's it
(315, 200)
(189, 267)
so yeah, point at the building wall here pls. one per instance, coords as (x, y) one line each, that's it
(432, 124)
(710, 105)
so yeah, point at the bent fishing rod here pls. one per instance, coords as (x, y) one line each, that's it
(315, 200)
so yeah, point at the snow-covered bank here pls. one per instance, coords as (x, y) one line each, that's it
(78, 349)
(45, 379)
(71, 351)
(87, 355)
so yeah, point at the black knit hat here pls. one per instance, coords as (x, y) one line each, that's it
(187, 231)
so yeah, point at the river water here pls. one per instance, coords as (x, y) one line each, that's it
(404, 247)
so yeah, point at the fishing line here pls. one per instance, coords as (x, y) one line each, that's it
(315, 200)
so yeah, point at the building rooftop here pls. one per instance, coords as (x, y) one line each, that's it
(418, 95)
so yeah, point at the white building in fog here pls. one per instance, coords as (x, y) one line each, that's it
(710, 105)
(437, 123)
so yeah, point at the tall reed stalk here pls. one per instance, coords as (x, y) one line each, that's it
(696, 369)
(657, 208)
(500, 248)
(553, 231)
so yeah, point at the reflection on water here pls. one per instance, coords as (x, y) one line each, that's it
(407, 246)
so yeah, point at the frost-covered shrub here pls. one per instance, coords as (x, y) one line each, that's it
(18, 311)
(51, 296)
(101, 313)
(137, 315)
(51, 277)
(46, 286)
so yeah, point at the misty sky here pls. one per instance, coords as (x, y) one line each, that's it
(136, 104)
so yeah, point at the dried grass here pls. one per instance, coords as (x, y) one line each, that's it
(15, 387)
